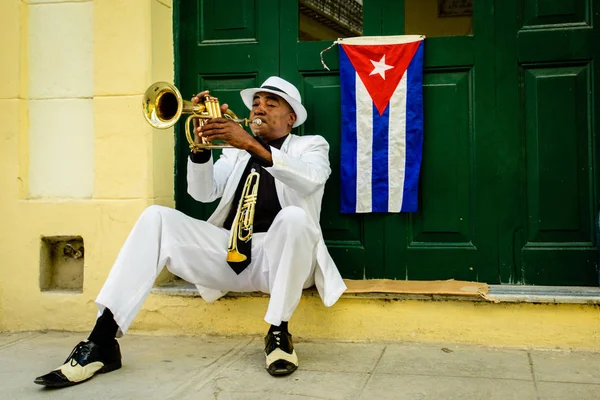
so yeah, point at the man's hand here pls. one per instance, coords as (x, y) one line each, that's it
(228, 131)
(196, 99)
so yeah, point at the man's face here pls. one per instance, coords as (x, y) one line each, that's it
(275, 113)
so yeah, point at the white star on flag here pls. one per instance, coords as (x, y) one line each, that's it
(380, 67)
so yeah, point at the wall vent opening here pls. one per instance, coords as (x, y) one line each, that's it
(61, 263)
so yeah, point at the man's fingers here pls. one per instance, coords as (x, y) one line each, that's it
(210, 124)
(216, 136)
(219, 126)
(216, 123)
(196, 98)
(219, 121)
(209, 132)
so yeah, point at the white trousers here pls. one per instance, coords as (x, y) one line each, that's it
(283, 261)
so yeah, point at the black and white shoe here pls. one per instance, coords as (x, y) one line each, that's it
(86, 360)
(280, 353)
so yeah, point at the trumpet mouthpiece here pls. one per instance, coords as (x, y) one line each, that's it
(257, 121)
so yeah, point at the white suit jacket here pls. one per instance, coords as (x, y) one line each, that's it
(300, 168)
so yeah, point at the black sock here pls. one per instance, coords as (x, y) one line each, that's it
(105, 330)
(283, 327)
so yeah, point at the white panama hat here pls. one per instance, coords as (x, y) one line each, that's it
(282, 88)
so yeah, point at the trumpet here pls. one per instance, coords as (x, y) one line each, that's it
(243, 224)
(163, 106)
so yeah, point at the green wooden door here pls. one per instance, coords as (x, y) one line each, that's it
(547, 62)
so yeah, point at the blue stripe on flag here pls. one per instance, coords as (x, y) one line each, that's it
(348, 145)
(414, 131)
(380, 176)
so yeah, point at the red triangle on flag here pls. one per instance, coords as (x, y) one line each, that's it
(381, 67)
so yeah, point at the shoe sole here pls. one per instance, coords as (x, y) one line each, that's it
(110, 367)
(104, 370)
(280, 355)
(282, 372)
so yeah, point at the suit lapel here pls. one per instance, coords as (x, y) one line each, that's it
(236, 175)
(286, 143)
(279, 187)
(220, 214)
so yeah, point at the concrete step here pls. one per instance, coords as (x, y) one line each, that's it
(545, 317)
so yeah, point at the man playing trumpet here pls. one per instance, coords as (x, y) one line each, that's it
(263, 236)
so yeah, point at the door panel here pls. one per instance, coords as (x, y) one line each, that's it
(218, 23)
(446, 212)
(546, 105)
(559, 244)
(441, 234)
(559, 167)
(557, 71)
(551, 12)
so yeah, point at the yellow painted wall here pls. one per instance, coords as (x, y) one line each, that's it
(127, 46)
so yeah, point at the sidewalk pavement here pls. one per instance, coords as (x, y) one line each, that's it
(207, 367)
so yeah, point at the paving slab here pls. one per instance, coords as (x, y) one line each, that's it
(455, 360)
(568, 391)
(36, 353)
(413, 387)
(566, 366)
(159, 367)
(22, 361)
(339, 357)
(231, 384)
(8, 339)
(220, 395)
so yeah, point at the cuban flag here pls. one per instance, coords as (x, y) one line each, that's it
(381, 81)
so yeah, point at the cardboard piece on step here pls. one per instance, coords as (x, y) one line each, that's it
(446, 287)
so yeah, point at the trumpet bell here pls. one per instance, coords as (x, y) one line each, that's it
(163, 105)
